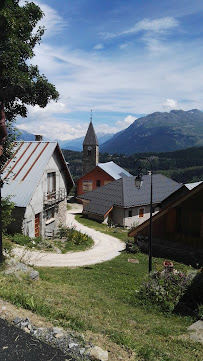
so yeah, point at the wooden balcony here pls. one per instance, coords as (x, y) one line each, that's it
(54, 197)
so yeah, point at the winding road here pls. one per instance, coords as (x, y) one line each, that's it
(105, 248)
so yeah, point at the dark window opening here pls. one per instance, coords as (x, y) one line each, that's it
(98, 183)
(130, 213)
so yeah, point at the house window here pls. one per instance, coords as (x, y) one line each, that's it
(98, 183)
(51, 184)
(141, 212)
(130, 213)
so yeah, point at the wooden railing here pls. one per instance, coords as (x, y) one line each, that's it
(54, 197)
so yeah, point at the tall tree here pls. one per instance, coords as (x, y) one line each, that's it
(21, 83)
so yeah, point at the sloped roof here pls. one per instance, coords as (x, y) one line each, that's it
(114, 170)
(23, 171)
(192, 185)
(90, 138)
(123, 193)
(175, 203)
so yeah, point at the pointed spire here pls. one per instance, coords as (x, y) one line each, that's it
(91, 138)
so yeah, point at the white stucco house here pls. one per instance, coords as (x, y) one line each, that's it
(122, 203)
(38, 180)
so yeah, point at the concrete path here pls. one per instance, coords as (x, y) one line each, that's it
(105, 248)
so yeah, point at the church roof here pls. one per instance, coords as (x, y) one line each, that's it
(90, 138)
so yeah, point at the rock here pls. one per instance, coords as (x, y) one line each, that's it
(197, 326)
(59, 335)
(17, 321)
(196, 331)
(133, 260)
(71, 345)
(3, 308)
(57, 330)
(34, 275)
(26, 330)
(197, 336)
(96, 353)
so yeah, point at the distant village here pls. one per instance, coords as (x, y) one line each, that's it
(39, 182)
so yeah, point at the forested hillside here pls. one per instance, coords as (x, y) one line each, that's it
(159, 132)
(182, 165)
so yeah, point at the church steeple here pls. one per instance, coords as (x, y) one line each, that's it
(90, 149)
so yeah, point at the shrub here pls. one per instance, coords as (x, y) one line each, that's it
(7, 208)
(21, 239)
(131, 246)
(24, 240)
(165, 288)
(200, 312)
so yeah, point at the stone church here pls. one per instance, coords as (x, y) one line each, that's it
(96, 174)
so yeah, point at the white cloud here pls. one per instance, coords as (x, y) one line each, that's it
(51, 20)
(126, 122)
(53, 129)
(135, 82)
(51, 108)
(99, 46)
(153, 26)
(170, 104)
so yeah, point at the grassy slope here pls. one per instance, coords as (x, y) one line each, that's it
(120, 233)
(102, 299)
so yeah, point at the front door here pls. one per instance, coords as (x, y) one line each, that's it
(37, 225)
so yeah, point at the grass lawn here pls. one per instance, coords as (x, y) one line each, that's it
(117, 232)
(102, 299)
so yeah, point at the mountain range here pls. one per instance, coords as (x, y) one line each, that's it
(72, 144)
(77, 143)
(158, 132)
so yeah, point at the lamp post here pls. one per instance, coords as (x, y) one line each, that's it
(138, 184)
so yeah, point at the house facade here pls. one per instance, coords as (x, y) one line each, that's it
(38, 181)
(178, 227)
(102, 174)
(96, 174)
(121, 203)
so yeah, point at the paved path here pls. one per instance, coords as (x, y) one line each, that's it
(105, 248)
(16, 345)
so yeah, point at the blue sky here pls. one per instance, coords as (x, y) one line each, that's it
(121, 58)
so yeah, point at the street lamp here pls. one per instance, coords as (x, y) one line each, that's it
(138, 184)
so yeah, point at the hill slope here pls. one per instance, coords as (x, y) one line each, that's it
(159, 132)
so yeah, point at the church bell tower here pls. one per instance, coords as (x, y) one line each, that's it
(90, 149)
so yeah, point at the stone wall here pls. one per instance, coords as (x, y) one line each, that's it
(60, 215)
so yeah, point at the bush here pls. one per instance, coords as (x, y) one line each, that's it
(200, 312)
(24, 240)
(74, 238)
(7, 208)
(131, 246)
(165, 288)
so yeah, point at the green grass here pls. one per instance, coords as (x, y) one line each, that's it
(102, 298)
(73, 241)
(117, 232)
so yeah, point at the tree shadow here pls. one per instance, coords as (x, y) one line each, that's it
(192, 298)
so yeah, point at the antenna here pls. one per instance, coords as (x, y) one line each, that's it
(91, 116)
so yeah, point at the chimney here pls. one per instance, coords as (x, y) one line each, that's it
(38, 137)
